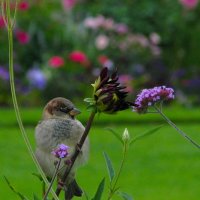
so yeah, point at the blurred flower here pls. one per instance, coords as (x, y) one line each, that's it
(155, 38)
(108, 95)
(23, 5)
(101, 42)
(4, 74)
(2, 24)
(108, 24)
(78, 57)
(94, 22)
(22, 37)
(148, 97)
(56, 62)
(36, 78)
(105, 61)
(68, 4)
(121, 28)
(126, 80)
(189, 4)
(61, 151)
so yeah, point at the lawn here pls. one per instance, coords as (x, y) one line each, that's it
(163, 166)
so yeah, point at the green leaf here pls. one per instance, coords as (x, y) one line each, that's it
(21, 196)
(35, 197)
(111, 171)
(117, 135)
(125, 196)
(89, 100)
(86, 195)
(146, 133)
(91, 108)
(38, 176)
(99, 191)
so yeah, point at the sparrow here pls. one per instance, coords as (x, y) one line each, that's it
(59, 125)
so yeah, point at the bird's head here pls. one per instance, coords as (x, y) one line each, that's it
(60, 108)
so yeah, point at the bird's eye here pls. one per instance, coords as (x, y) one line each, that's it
(64, 109)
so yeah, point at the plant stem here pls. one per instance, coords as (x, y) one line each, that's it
(13, 93)
(176, 128)
(113, 188)
(77, 150)
(52, 180)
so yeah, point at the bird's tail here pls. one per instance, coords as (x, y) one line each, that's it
(72, 190)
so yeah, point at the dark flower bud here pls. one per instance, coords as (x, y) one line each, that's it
(108, 95)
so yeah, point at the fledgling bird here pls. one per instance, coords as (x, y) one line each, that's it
(59, 126)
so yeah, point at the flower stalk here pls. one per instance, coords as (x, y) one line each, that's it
(176, 128)
(9, 24)
(53, 179)
(113, 187)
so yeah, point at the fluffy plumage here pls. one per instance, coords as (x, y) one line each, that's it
(60, 126)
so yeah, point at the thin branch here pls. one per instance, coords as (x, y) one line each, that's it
(77, 151)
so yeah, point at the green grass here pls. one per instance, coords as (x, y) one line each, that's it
(163, 166)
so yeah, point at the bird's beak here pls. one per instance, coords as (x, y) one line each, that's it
(74, 112)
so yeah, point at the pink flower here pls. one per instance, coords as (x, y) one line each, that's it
(101, 42)
(2, 24)
(68, 4)
(126, 80)
(78, 57)
(56, 62)
(121, 28)
(189, 4)
(22, 37)
(23, 5)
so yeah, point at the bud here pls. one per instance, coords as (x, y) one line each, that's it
(125, 135)
(109, 96)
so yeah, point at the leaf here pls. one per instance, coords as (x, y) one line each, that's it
(115, 134)
(14, 190)
(38, 176)
(89, 100)
(111, 171)
(99, 191)
(86, 195)
(91, 108)
(35, 197)
(125, 196)
(146, 133)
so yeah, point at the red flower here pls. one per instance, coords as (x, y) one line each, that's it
(22, 37)
(78, 57)
(56, 61)
(103, 59)
(2, 24)
(23, 5)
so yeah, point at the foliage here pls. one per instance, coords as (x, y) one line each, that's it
(65, 45)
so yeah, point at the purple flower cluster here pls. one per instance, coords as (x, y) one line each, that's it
(148, 97)
(61, 151)
(4, 74)
(36, 78)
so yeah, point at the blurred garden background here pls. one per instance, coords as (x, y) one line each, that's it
(60, 46)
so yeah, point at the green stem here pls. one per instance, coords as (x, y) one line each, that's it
(13, 93)
(176, 128)
(113, 188)
(52, 180)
